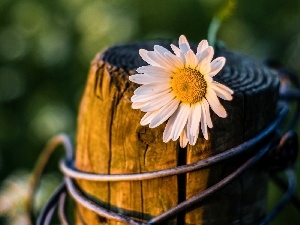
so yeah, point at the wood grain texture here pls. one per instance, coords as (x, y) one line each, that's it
(110, 140)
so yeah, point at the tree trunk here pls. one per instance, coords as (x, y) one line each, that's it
(110, 140)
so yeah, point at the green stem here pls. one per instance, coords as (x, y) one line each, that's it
(213, 30)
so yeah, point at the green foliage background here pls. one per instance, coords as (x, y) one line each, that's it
(46, 47)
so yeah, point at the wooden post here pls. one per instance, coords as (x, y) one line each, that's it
(110, 140)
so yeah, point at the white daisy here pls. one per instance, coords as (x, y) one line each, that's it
(180, 88)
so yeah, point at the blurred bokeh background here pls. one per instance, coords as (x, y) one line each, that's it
(45, 52)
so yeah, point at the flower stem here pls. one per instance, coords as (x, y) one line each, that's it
(223, 13)
(213, 30)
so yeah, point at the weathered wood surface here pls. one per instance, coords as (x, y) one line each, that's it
(110, 140)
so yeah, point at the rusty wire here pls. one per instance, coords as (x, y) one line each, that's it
(67, 166)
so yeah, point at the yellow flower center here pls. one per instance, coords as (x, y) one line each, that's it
(189, 85)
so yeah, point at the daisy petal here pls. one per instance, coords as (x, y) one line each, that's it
(144, 54)
(203, 45)
(205, 55)
(190, 59)
(147, 79)
(216, 65)
(195, 137)
(222, 93)
(205, 68)
(215, 105)
(204, 60)
(146, 98)
(188, 126)
(152, 88)
(174, 60)
(147, 118)
(203, 123)
(183, 139)
(207, 112)
(164, 113)
(167, 135)
(208, 79)
(178, 52)
(159, 59)
(210, 54)
(184, 44)
(196, 117)
(189, 121)
(158, 103)
(154, 71)
(161, 49)
(211, 97)
(138, 105)
(225, 88)
(181, 119)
